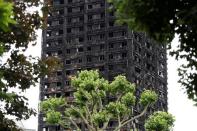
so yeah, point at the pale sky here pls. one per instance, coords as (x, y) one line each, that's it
(178, 104)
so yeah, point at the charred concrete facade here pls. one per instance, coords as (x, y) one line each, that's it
(83, 34)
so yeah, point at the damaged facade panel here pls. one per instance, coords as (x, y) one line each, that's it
(84, 35)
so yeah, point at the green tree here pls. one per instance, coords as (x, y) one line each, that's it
(96, 102)
(159, 121)
(161, 20)
(17, 32)
(5, 15)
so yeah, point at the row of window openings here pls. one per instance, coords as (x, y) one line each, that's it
(56, 13)
(56, 2)
(89, 7)
(92, 37)
(90, 27)
(146, 55)
(74, 1)
(101, 25)
(54, 43)
(54, 85)
(56, 74)
(100, 68)
(96, 16)
(54, 33)
(149, 67)
(100, 58)
(75, 9)
(89, 48)
(111, 56)
(77, 19)
(95, 38)
(57, 85)
(55, 23)
(95, 6)
(141, 81)
(110, 35)
(138, 48)
(68, 72)
(90, 17)
(81, 8)
(150, 47)
(68, 83)
(80, 49)
(55, 53)
(46, 96)
(146, 44)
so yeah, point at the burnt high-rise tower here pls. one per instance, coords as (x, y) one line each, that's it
(83, 34)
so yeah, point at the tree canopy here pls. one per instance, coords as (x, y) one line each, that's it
(159, 121)
(96, 102)
(5, 15)
(18, 72)
(161, 20)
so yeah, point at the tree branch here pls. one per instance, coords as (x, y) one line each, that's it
(119, 97)
(119, 122)
(105, 125)
(75, 124)
(83, 118)
(89, 114)
(136, 117)
(71, 120)
(100, 102)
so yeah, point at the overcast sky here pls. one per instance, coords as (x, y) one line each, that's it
(178, 104)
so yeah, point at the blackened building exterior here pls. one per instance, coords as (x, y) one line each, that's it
(83, 34)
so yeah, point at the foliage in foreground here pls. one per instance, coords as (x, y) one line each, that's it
(161, 20)
(18, 72)
(5, 15)
(96, 102)
(159, 121)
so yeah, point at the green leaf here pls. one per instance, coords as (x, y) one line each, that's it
(53, 117)
(6, 15)
(159, 121)
(120, 85)
(148, 97)
(128, 99)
